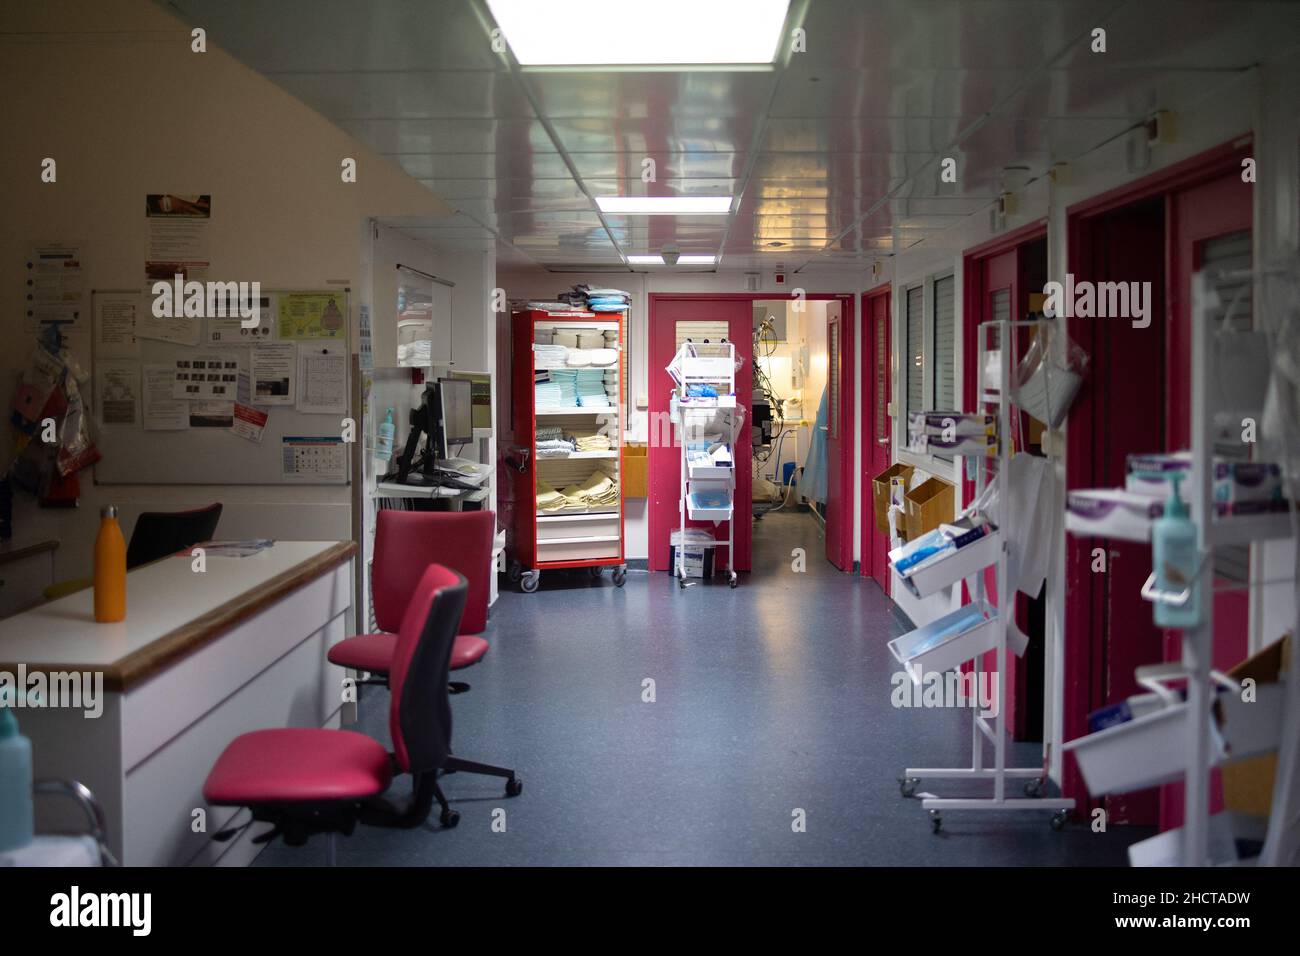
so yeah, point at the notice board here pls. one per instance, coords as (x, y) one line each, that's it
(219, 399)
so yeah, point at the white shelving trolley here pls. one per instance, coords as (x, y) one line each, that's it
(708, 420)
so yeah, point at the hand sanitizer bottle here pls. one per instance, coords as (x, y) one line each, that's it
(15, 780)
(384, 443)
(1177, 560)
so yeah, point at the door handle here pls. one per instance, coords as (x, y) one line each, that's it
(882, 441)
(824, 428)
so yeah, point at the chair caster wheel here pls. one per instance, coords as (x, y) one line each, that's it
(528, 583)
(514, 787)
(1059, 819)
(907, 786)
(1034, 788)
(734, 580)
(449, 818)
(620, 576)
(936, 821)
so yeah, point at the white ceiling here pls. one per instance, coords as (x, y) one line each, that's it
(834, 153)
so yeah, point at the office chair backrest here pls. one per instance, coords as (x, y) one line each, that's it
(406, 542)
(419, 715)
(160, 533)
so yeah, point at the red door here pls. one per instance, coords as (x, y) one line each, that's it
(672, 320)
(839, 435)
(876, 436)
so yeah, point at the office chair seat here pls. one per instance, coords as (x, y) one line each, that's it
(298, 765)
(373, 653)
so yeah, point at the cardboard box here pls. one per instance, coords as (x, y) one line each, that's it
(635, 463)
(927, 506)
(880, 492)
(1248, 784)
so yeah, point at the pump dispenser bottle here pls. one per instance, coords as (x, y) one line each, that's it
(1177, 560)
(15, 781)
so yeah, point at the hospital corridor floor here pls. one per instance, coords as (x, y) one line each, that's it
(710, 726)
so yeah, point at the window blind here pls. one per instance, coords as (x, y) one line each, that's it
(945, 343)
(914, 370)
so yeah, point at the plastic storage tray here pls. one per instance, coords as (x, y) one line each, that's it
(1144, 752)
(922, 651)
(698, 510)
(941, 572)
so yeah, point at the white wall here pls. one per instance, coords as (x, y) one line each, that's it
(540, 284)
(113, 93)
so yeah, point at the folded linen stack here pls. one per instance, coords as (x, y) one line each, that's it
(591, 441)
(607, 300)
(548, 394)
(590, 385)
(548, 499)
(548, 356)
(597, 491)
(567, 382)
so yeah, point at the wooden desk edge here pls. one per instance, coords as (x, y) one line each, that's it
(153, 657)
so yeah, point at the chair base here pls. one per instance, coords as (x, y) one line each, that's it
(514, 785)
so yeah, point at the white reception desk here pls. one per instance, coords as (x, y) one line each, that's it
(200, 659)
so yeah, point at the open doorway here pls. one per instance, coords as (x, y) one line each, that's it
(796, 352)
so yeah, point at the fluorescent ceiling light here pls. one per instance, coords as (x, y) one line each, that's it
(682, 261)
(665, 205)
(626, 33)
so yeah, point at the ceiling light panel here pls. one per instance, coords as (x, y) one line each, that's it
(680, 33)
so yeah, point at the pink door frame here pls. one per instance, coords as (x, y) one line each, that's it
(875, 546)
(848, 313)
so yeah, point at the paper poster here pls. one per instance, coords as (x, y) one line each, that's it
(206, 376)
(162, 412)
(275, 373)
(180, 330)
(212, 415)
(322, 379)
(313, 459)
(178, 236)
(363, 333)
(55, 288)
(115, 314)
(311, 315)
(230, 330)
(249, 422)
(118, 395)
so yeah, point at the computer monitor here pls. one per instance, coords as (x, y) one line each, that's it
(457, 411)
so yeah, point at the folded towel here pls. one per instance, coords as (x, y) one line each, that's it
(602, 356)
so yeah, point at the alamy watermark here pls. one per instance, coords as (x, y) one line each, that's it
(70, 690)
(947, 689)
(1099, 300)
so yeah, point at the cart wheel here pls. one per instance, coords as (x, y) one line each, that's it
(595, 573)
(514, 787)
(514, 572)
(620, 575)
(1058, 820)
(528, 582)
(907, 786)
(936, 821)
(1034, 788)
(734, 580)
(449, 818)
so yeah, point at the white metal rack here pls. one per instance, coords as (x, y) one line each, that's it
(1281, 840)
(993, 635)
(699, 417)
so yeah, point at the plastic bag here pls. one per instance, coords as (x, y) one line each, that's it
(1049, 375)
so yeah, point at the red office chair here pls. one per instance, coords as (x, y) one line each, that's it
(405, 543)
(305, 781)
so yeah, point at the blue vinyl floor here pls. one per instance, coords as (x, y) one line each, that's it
(770, 698)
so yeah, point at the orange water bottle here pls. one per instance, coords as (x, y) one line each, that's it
(110, 568)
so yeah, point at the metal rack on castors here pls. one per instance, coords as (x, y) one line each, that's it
(708, 419)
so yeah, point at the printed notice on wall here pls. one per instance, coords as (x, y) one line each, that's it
(322, 379)
(310, 315)
(55, 289)
(179, 237)
(320, 459)
(229, 329)
(249, 422)
(115, 314)
(212, 415)
(206, 376)
(118, 395)
(162, 412)
(275, 372)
